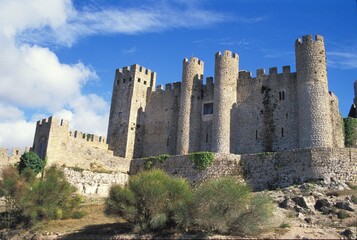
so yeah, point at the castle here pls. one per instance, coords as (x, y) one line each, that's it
(272, 130)
(231, 113)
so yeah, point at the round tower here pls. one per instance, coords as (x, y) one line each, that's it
(225, 92)
(188, 136)
(314, 120)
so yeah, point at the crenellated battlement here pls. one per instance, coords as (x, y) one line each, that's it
(129, 70)
(307, 39)
(226, 53)
(261, 73)
(87, 137)
(11, 157)
(48, 122)
(193, 60)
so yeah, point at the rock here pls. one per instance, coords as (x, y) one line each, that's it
(344, 205)
(325, 210)
(349, 234)
(308, 220)
(322, 203)
(305, 202)
(287, 203)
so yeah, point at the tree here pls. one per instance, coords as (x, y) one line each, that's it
(32, 161)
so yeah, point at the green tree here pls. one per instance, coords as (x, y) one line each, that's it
(32, 161)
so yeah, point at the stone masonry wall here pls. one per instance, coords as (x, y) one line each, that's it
(14, 157)
(94, 183)
(268, 170)
(74, 149)
(161, 121)
(267, 110)
(182, 166)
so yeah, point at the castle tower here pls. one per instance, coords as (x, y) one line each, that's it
(225, 92)
(314, 120)
(189, 127)
(125, 129)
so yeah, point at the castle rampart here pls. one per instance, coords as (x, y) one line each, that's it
(13, 157)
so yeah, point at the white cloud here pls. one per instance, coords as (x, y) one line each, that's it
(154, 17)
(34, 81)
(342, 59)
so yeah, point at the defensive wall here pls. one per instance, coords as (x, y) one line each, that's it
(14, 157)
(268, 169)
(73, 148)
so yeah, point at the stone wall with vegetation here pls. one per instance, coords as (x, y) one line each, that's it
(184, 166)
(264, 170)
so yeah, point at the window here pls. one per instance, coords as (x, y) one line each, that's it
(130, 79)
(123, 80)
(139, 79)
(207, 108)
(282, 132)
(282, 95)
(168, 142)
(256, 134)
(206, 137)
(118, 82)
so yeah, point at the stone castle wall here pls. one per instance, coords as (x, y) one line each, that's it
(270, 112)
(267, 169)
(266, 106)
(74, 149)
(161, 120)
(14, 157)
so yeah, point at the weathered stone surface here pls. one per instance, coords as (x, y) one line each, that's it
(94, 183)
(320, 203)
(345, 205)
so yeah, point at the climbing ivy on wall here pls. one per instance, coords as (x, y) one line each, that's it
(350, 131)
(202, 160)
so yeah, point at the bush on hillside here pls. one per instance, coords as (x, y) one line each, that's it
(33, 161)
(29, 199)
(150, 200)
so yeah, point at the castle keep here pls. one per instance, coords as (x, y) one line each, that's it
(233, 112)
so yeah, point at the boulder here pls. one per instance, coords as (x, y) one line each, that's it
(349, 234)
(344, 205)
(305, 202)
(322, 203)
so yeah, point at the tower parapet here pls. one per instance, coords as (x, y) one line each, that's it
(315, 128)
(188, 136)
(225, 95)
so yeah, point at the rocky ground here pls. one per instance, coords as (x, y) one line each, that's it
(319, 210)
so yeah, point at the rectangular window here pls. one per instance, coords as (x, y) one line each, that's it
(207, 108)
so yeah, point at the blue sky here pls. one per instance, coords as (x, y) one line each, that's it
(58, 57)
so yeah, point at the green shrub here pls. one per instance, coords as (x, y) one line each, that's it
(30, 199)
(285, 225)
(354, 199)
(226, 206)
(342, 214)
(150, 200)
(350, 131)
(33, 161)
(161, 158)
(219, 203)
(202, 160)
(149, 162)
